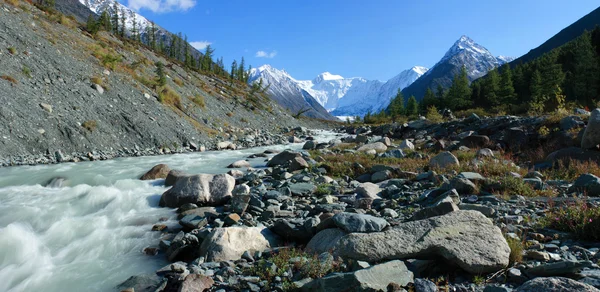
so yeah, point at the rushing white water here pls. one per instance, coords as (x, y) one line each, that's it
(89, 235)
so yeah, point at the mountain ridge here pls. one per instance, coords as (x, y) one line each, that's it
(464, 52)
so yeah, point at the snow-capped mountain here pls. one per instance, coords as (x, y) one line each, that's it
(284, 89)
(99, 6)
(465, 52)
(342, 96)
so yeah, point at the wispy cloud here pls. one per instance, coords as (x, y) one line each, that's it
(200, 45)
(161, 6)
(263, 54)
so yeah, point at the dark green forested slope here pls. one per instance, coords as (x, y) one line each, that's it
(574, 30)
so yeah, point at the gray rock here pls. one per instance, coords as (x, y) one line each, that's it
(424, 285)
(485, 210)
(587, 183)
(485, 153)
(375, 278)
(298, 163)
(467, 238)
(381, 176)
(443, 206)
(555, 284)
(228, 244)
(158, 171)
(196, 282)
(201, 189)
(395, 153)
(141, 283)
(283, 158)
(352, 222)
(309, 145)
(173, 176)
(239, 164)
(193, 221)
(302, 189)
(368, 190)
(98, 88)
(406, 144)
(591, 135)
(377, 146)
(561, 268)
(46, 107)
(443, 160)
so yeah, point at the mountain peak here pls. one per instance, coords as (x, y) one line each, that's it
(326, 76)
(419, 69)
(465, 43)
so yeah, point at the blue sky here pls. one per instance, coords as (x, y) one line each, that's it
(372, 39)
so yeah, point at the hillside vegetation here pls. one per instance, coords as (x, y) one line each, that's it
(58, 78)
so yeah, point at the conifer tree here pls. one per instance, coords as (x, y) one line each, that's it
(396, 107)
(115, 18)
(207, 59)
(234, 70)
(241, 69)
(429, 100)
(459, 94)
(135, 34)
(161, 76)
(122, 29)
(491, 88)
(186, 55)
(92, 25)
(585, 70)
(412, 107)
(535, 88)
(105, 22)
(152, 35)
(507, 89)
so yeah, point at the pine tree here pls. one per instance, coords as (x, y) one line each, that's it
(135, 34)
(104, 22)
(161, 77)
(122, 30)
(92, 25)
(491, 88)
(207, 59)
(152, 35)
(440, 93)
(507, 89)
(459, 94)
(396, 107)
(241, 70)
(186, 55)
(429, 100)
(234, 68)
(412, 107)
(585, 70)
(115, 18)
(535, 88)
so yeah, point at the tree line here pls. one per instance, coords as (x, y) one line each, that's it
(567, 74)
(174, 47)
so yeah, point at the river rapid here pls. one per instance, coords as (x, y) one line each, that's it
(89, 234)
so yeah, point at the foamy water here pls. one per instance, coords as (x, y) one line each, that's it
(89, 235)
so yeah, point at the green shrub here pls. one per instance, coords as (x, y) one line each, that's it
(12, 51)
(26, 71)
(433, 115)
(578, 218)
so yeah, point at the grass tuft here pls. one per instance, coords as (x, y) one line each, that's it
(90, 125)
(168, 96)
(516, 251)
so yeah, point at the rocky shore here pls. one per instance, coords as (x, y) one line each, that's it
(415, 207)
(236, 139)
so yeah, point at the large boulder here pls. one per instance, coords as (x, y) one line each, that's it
(475, 141)
(377, 146)
(588, 184)
(465, 238)
(352, 222)
(368, 191)
(200, 189)
(158, 171)
(228, 244)
(375, 278)
(283, 158)
(443, 160)
(591, 135)
(173, 176)
(555, 284)
(195, 283)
